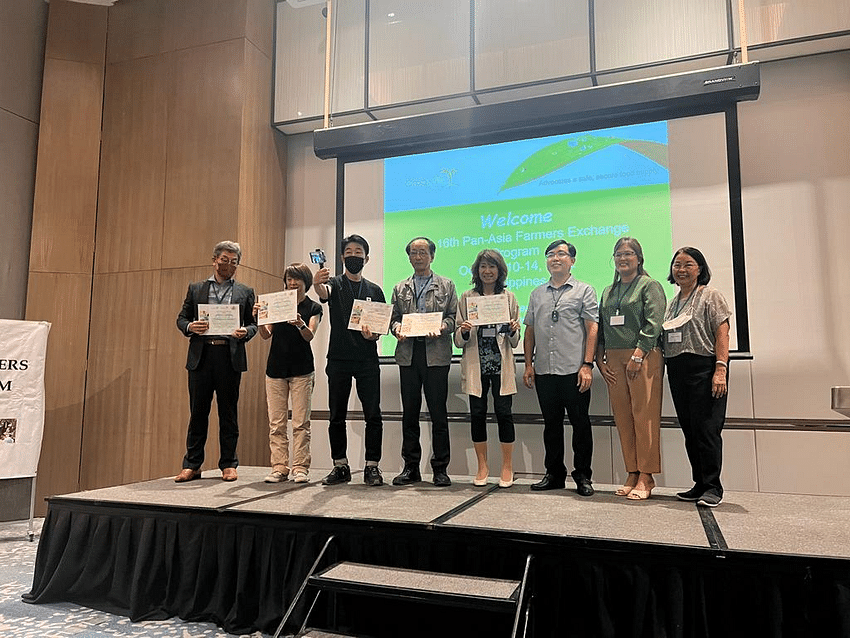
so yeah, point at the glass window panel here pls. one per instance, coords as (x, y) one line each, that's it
(642, 31)
(774, 20)
(519, 41)
(300, 60)
(417, 50)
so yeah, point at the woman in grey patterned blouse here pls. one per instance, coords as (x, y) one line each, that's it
(696, 351)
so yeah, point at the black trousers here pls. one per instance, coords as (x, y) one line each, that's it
(435, 381)
(368, 375)
(501, 406)
(557, 394)
(214, 374)
(700, 415)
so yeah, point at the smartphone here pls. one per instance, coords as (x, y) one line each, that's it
(318, 257)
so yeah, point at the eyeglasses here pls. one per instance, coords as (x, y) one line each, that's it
(419, 253)
(224, 261)
(624, 254)
(560, 254)
(684, 266)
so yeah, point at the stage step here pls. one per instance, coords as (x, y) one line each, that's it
(394, 582)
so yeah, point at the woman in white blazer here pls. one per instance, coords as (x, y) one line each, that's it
(488, 362)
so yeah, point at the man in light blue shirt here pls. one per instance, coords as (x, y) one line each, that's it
(559, 346)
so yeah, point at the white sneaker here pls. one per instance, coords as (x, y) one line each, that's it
(276, 477)
(300, 476)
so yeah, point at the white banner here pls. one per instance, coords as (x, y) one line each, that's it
(23, 347)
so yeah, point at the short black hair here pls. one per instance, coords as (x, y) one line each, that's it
(570, 248)
(353, 239)
(704, 271)
(431, 245)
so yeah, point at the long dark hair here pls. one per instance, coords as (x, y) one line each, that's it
(634, 244)
(495, 258)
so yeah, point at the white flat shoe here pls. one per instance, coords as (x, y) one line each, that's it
(479, 482)
(505, 483)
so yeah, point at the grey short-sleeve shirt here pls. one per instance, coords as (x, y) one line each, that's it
(559, 345)
(708, 310)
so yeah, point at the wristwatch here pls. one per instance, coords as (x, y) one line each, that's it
(588, 363)
(303, 326)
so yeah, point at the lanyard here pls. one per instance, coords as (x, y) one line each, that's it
(215, 287)
(351, 288)
(555, 301)
(422, 290)
(677, 309)
(623, 295)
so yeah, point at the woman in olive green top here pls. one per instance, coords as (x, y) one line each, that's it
(630, 316)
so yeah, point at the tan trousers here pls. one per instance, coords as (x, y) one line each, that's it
(279, 393)
(637, 409)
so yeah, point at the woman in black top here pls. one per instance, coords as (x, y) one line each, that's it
(290, 375)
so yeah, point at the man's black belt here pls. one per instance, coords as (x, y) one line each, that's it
(216, 342)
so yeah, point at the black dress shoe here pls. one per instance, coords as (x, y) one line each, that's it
(583, 487)
(549, 482)
(409, 475)
(441, 479)
(372, 476)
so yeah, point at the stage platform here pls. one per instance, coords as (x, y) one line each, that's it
(236, 553)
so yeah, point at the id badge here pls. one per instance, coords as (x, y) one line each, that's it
(489, 331)
(674, 337)
(618, 320)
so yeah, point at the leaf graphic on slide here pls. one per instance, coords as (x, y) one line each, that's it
(551, 158)
(655, 151)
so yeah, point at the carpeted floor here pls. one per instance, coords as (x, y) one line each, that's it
(61, 620)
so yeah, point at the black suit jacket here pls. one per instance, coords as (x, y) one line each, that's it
(199, 292)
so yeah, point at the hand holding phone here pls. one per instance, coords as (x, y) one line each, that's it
(318, 257)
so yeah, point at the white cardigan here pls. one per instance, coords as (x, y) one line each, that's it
(470, 363)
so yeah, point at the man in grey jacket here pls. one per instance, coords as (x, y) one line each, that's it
(424, 361)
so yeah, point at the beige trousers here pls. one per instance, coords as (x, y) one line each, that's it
(637, 409)
(279, 393)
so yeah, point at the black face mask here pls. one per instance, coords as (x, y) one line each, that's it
(354, 264)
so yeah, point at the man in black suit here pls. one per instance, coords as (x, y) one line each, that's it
(215, 363)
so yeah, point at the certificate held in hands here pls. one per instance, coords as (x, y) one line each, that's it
(223, 318)
(421, 324)
(372, 314)
(277, 307)
(489, 309)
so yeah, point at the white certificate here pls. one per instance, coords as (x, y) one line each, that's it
(223, 318)
(421, 324)
(487, 309)
(276, 307)
(372, 314)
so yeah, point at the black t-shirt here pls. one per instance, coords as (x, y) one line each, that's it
(290, 355)
(345, 344)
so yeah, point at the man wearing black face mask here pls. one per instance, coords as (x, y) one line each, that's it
(351, 355)
(215, 363)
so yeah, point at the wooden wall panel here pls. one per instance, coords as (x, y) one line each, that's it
(76, 32)
(204, 130)
(63, 300)
(117, 433)
(133, 160)
(261, 191)
(194, 23)
(65, 203)
(259, 25)
(136, 29)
